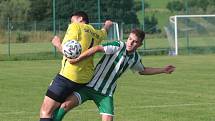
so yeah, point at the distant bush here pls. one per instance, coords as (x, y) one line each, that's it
(194, 6)
(151, 25)
(175, 6)
(2, 36)
(21, 37)
(138, 5)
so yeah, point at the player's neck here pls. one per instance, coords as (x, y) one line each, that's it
(130, 52)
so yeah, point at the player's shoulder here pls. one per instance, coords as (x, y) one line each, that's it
(79, 24)
(89, 27)
(74, 24)
(83, 26)
(114, 43)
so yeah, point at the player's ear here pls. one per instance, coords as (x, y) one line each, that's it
(80, 19)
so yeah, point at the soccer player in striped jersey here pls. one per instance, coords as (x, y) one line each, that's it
(118, 57)
(72, 76)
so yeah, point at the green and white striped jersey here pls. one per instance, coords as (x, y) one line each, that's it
(115, 61)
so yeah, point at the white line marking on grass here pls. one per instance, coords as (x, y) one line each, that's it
(119, 108)
(172, 105)
(16, 112)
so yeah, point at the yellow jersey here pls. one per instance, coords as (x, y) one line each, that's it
(88, 37)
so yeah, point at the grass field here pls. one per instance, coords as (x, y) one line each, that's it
(44, 50)
(186, 95)
(20, 48)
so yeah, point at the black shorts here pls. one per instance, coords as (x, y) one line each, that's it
(61, 88)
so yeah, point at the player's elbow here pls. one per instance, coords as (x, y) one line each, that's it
(98, 48)
(141, 72)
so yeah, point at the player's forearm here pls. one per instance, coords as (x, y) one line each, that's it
(152, 71)
(107, 25)
(90, 52)
(86, 54)
(57, 43)
(59, 48)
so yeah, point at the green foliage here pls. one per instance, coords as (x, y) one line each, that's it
(203, 4)
(39, 10)
(21, 37)
(175, 6)
(159, 4)
(14, 9)
(194, 6)
(138, 5)
(119, 11)
(151, 24)
(199, 4)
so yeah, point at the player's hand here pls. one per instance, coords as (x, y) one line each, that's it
(108, 24)
(169, 69)
(56, 41)
(73, 61)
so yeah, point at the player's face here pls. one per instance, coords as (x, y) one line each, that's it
(76, 19)
(132, 43)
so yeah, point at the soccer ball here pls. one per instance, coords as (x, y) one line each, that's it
(72, 49)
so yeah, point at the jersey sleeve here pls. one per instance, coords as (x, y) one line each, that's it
(72, 33)
(111, 47)
(102, 35)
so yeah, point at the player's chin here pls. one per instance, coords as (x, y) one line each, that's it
(129, 49)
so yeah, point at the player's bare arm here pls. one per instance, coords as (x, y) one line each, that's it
(57, 43)
(107, 25)
(151, 71)
(87, 54)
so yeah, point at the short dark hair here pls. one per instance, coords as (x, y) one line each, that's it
(139, 33)
(83, 15)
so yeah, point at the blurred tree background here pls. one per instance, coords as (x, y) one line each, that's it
(40, 11)
(31, 21)
(194, 6)
(121, 11)
(37, 14)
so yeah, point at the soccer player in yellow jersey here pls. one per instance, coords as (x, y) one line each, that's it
(73, 76)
